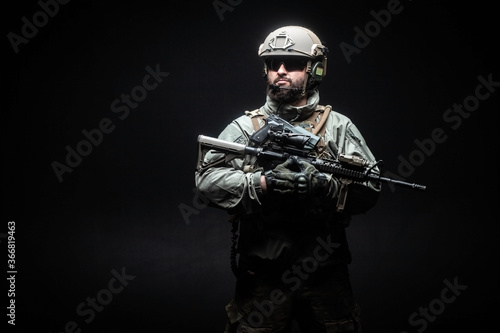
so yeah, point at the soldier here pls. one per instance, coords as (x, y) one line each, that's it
(292, 251)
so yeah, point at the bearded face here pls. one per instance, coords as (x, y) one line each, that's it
(286, 78)
(286, 94)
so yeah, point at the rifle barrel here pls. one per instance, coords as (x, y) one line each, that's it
(402, 183)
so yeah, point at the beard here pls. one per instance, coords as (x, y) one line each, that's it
(289, 95)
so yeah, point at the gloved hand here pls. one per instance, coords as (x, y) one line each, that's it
(296, 177)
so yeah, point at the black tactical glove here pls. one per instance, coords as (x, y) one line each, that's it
(296, 177)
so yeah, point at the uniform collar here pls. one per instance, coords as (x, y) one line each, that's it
(292, 113)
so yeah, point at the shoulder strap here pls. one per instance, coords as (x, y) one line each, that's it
(318, 119)
(255, 115)
(317, 122)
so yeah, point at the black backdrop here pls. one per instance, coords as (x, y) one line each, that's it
(127, 207)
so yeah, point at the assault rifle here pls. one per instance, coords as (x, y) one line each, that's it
(278, 140)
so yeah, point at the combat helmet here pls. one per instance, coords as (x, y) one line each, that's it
(296, 41)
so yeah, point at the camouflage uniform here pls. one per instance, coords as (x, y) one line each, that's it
(293, 254)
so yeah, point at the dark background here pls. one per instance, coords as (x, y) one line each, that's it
(121, 207)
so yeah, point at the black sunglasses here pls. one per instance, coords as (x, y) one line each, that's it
(291, 64)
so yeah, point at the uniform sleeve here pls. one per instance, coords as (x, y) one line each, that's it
(342, 136)
(226, 185)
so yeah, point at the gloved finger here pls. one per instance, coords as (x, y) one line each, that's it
(289, 176)
(301, 184)
(307, 167)
(280, 185)
(319, 183)
(285, 166)
(300, 165)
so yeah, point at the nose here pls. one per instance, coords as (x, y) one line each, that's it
(282, 69)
